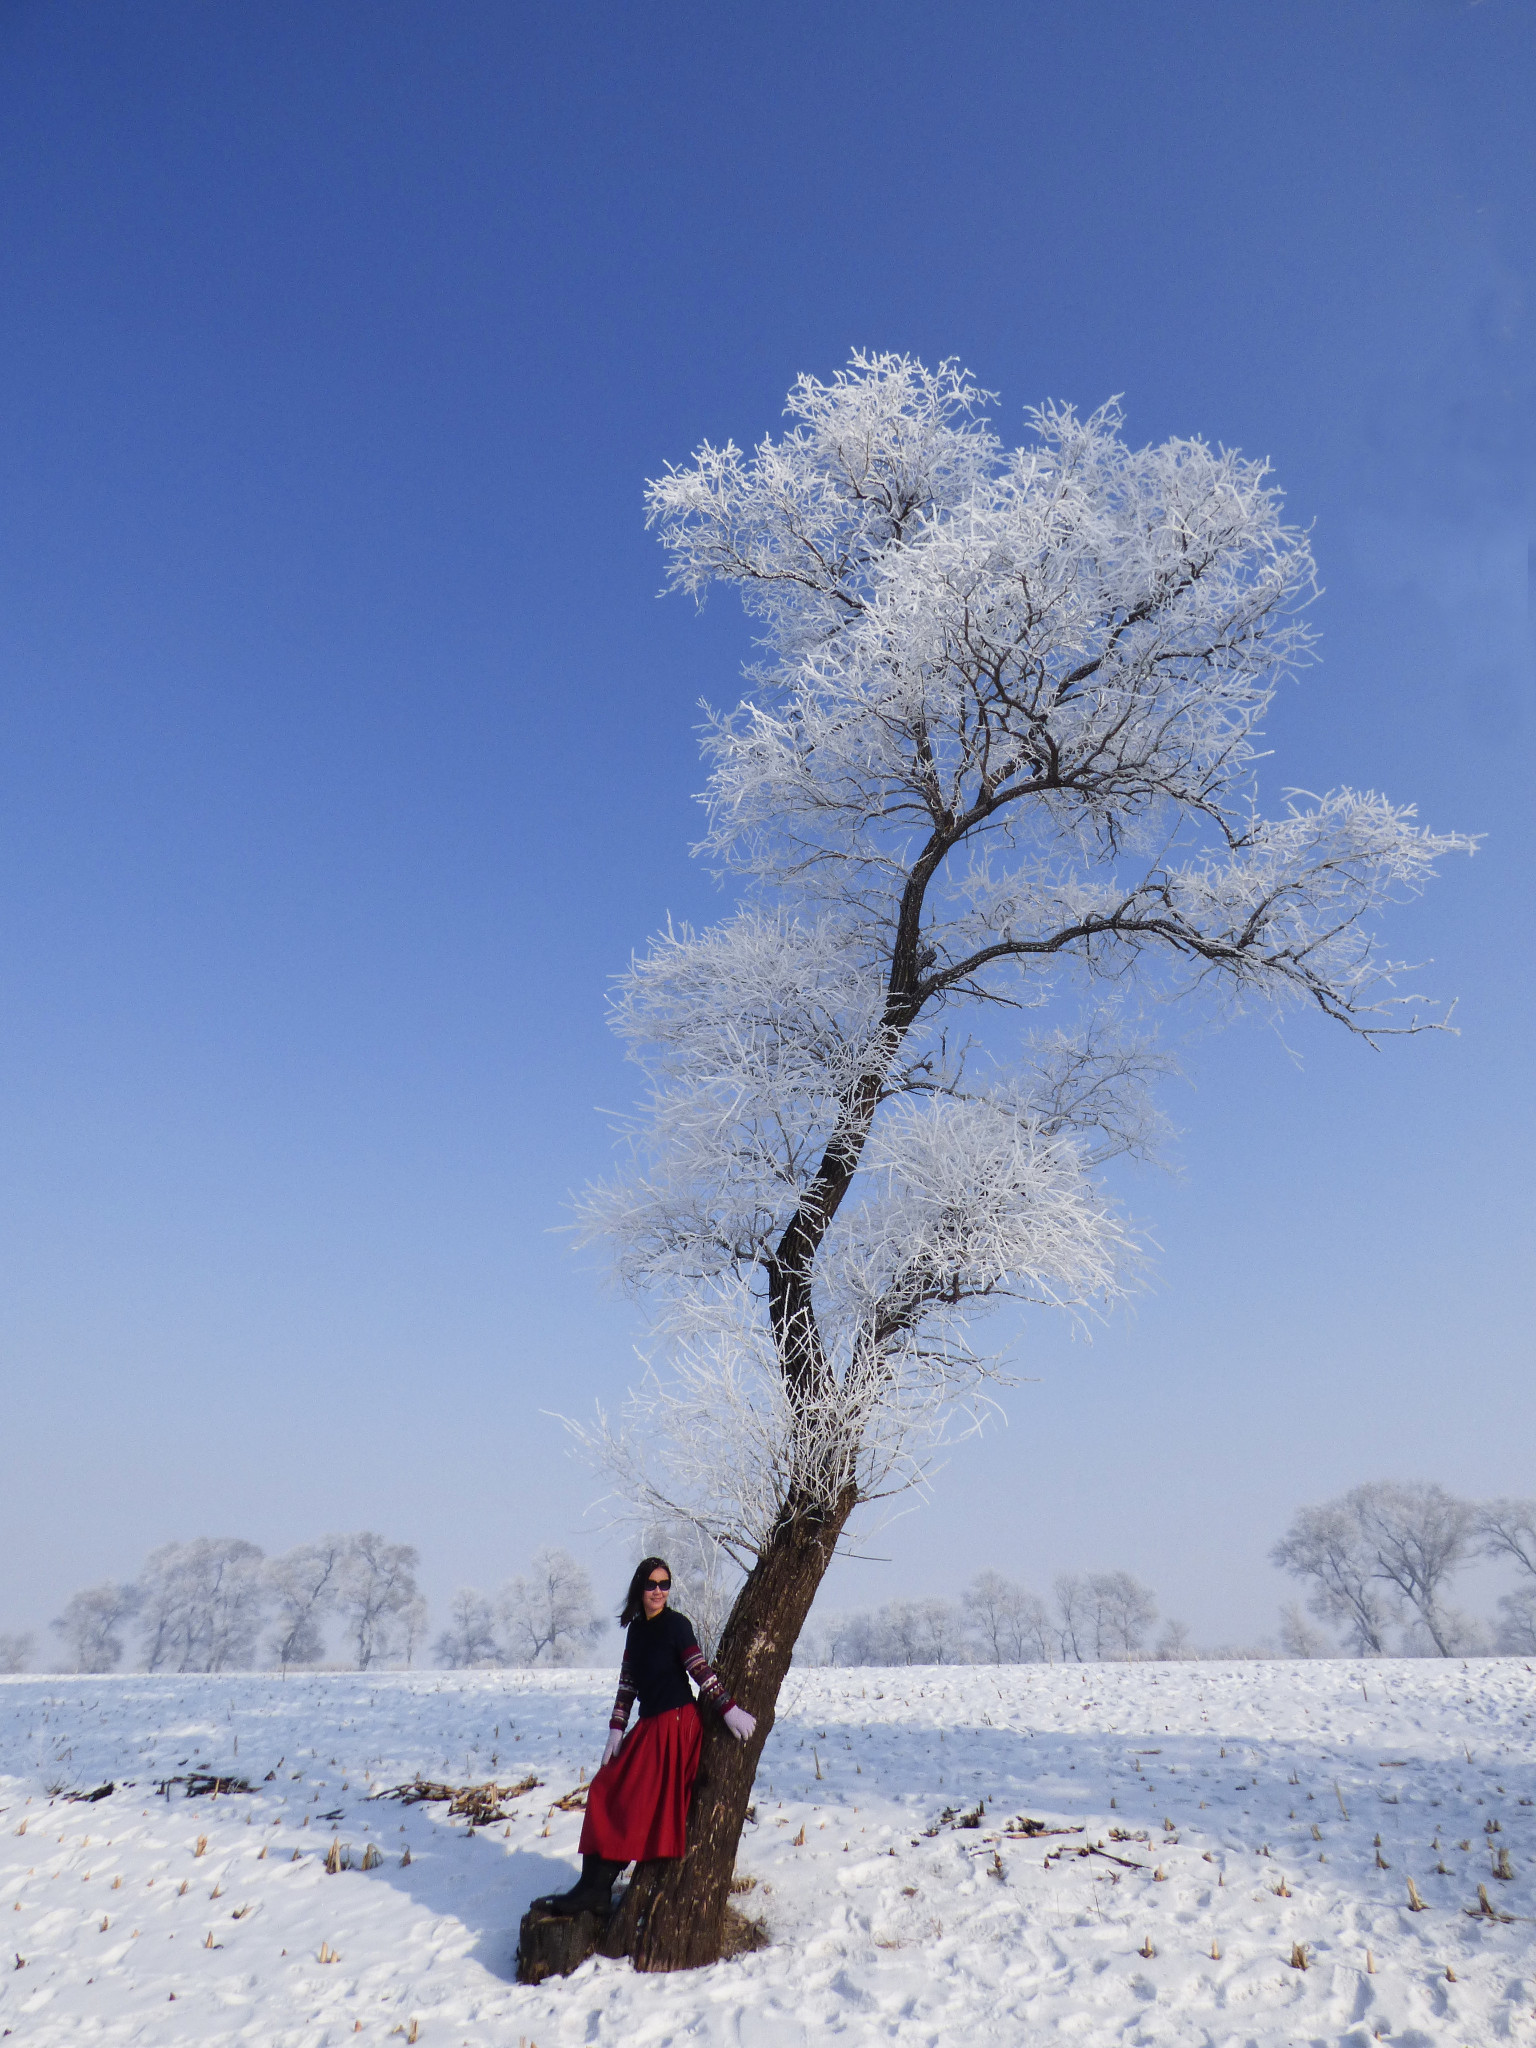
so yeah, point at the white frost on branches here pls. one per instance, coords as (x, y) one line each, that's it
(998, 753)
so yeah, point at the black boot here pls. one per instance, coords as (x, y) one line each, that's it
(592, 1893)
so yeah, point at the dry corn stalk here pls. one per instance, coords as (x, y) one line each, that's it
(1485, 1908)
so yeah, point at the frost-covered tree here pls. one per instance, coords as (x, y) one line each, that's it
(91, 1623)
(902, 1632)
(303, 1585)
(1382, 1553)
(413, 1627)
(1176, 1644)
(202, 1604)
(997, 758)
(1327, 1547)
(858, 1638)
(470, 1637)
(1074, 1616)
(1421, 1536)
(1102, 1615)
(921, 1632)
(550, 1613)
(1298, 1638)
(16, 1652)
(1008, 1624)
(1507, 1529)
(1123, 1612)
(1517, 1622)
(375, 1591)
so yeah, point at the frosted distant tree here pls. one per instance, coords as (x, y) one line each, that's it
(997, 756)
(1074, 1616)
(376, 1587)
(894, 1633)
(412, 1627)
(202, 1604)
(1298, 1638)
(1102, 1615)
(549, 1614)
(1383, 1552)
(1176, 1645)
(921, 1632)
(859, 1638)
(16, 1652)
(1123, 1613)
(90, 1626)
(1008, 1623)
(1507, 1529)
(1327, 1546)
(470, 1637)
(1517, 1624)
(303, 1584)
(902, 1632)
(1421, 1536)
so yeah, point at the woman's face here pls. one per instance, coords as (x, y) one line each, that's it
(657, 1586)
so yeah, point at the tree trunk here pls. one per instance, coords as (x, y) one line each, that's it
(673, 1915)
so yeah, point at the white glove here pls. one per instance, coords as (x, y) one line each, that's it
(741, 1724)
(611, 1747)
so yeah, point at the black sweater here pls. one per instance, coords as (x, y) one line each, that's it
(660, 1657)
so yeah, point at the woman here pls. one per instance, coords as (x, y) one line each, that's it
(637, 1807)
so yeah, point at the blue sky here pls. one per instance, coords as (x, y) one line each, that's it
(345, 750)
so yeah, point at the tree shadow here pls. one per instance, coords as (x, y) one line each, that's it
(479, 1881)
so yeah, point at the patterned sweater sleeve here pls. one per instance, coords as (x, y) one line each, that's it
(710, 1688)
(623, 1699)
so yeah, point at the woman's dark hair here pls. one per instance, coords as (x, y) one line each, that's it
(634, 1599)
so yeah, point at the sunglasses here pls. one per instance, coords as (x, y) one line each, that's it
(658, 1585)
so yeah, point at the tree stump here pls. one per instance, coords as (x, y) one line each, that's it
(555, 1944)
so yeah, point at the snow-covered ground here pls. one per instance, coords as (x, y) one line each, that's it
(1258, 1807)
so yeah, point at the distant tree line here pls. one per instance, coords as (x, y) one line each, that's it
(550, 1616)
(1378, 1565)
(1093, 1617)
(219, 1603)
(546, 1617)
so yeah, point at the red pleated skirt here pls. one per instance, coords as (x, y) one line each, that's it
(637, 1807)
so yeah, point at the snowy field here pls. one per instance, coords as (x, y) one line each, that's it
(1252, 1807)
